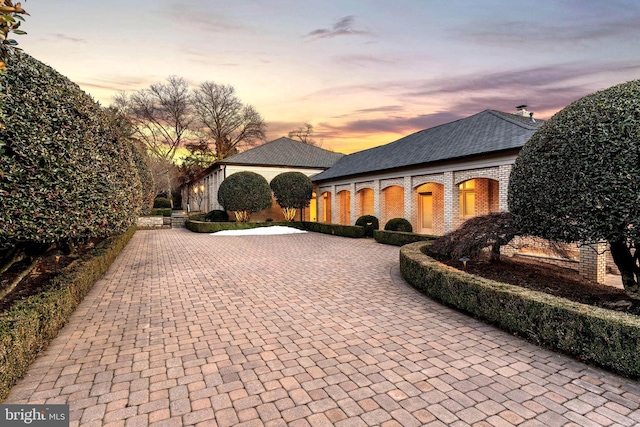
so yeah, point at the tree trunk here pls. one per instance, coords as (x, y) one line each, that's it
(494, 255)
(626, 263)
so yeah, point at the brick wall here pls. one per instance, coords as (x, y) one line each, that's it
(344, 206)
(364, 204)
(593, 262)
(392, 200)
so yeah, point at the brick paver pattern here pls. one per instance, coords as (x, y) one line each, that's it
(298, 330)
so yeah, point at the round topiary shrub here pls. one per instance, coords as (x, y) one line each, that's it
(370, 223)
(217, 215)
(161, 203)
(244, 193)
(398, 224)
(576, 179)
(293, 191)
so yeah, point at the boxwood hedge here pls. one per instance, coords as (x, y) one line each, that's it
(607, 338)
(30, 324)
(400, 238)
(334, 229)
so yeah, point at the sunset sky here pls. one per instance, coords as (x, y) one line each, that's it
(362, 72)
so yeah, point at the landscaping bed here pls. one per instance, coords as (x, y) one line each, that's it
(604, 337)
(32, 315)
(553, 280)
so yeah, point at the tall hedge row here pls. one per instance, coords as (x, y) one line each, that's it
(67, 170)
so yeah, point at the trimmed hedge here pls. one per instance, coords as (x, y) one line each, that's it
(334, 229)
(354, 231)
(212, 227)
(161, 203)
(606, 338)
(370, 224)
(217, 215)
(398, 224)
(400, 238)
(161, 211)
(30, 324)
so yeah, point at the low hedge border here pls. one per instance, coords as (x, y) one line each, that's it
(354, 231)
(212, 227)
(161, 211)
(30, 325)
(607, 338)
(400, 238)
(334, 229)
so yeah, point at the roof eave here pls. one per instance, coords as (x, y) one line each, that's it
(417, 165)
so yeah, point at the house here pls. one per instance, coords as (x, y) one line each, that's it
(435, 178)
(268, 160)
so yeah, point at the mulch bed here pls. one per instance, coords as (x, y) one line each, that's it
(46, 268)
(552, 280)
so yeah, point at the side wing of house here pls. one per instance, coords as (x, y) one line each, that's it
(435, 178)
(434, 198)
(203, 193)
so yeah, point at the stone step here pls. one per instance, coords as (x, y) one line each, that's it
(178, 220)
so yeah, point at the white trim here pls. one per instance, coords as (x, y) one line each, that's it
(454, 166)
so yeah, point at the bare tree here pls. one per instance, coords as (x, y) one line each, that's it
(224, 121)
(304, 134)
(162, 119)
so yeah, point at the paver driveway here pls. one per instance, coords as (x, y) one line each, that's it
(305, 329)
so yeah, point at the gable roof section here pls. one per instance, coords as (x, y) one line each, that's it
(285, 152)
(485, 132)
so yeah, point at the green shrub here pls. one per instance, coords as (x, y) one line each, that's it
(161, 211)
(398, 224)
(212, 227)
(29, 325)
(595, 335)
(576, 179)
(217, 215)
(245, 193)
(293, 191)
(334, 229)
(370, 223)
(67, 170)
(476, 234)
(140, 159)
(162, 203)
(400, 238)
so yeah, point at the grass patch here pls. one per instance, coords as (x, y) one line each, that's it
(30, 324)
(606, 338)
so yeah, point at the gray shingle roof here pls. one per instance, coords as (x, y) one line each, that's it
(485, 132)
(285, 152)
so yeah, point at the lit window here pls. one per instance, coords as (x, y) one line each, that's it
(467, 198)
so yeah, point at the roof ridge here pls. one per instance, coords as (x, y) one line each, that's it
(505, 116)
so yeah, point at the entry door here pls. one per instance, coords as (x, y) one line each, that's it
(426, 211)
